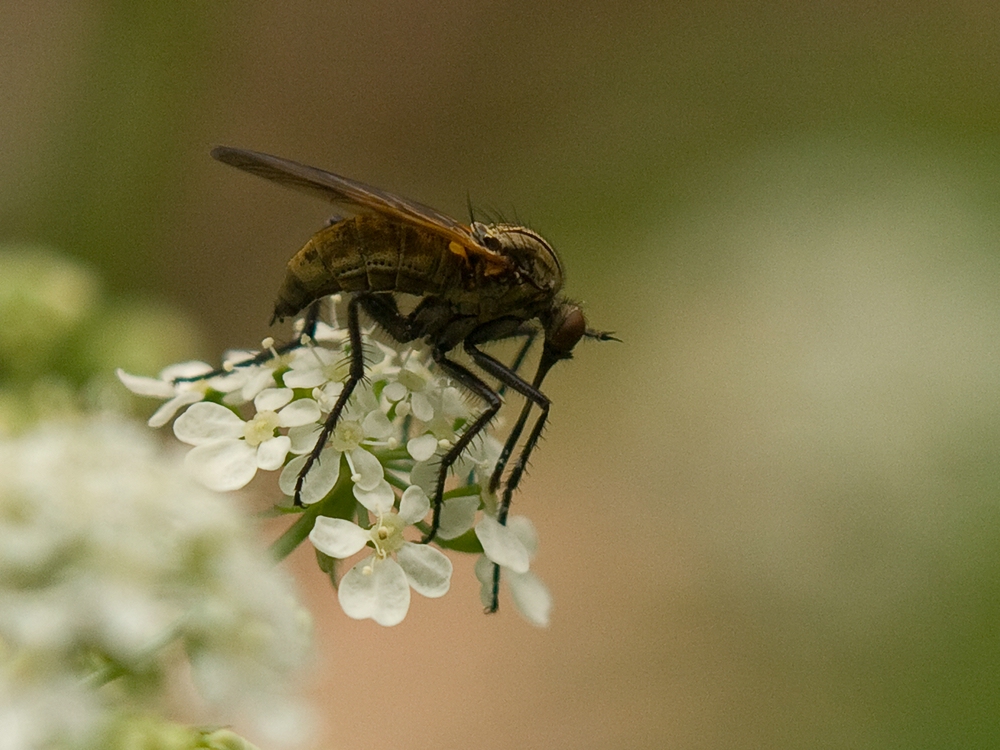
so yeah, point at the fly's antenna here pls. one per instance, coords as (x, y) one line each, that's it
(472, 213)
(590, 333)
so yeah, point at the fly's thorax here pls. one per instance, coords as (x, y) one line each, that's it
(532, 256)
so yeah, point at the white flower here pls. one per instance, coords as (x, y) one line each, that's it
(110, 554)
(364, 424)
(407, 390)
(228, 451)
(479, 459)
(458, 514)
(312, 366)
(450, 406)
(512, 547)
(179, 394)
(378, 587)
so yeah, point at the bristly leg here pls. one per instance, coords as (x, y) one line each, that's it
(477, 386)
(548, 359)
(383, 310)
(356, 375)
(310, 320)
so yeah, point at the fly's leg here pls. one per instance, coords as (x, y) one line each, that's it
(515, 475)
(515, 365)
(403, 328)
(310, 320)
(383, 310)
(529, 338)
(534, 396)
(356, 374)
(492, 399)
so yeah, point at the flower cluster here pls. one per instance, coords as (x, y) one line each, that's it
(374, 475)
(115, 568)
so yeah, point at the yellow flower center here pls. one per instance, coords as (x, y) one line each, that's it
(261, 428)
(387, 535)
(347, 436)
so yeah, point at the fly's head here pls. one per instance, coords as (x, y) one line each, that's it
(565, 325)
(533, 258)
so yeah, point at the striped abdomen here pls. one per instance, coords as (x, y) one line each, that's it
(368, 253)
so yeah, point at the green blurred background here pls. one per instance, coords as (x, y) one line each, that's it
(770, 517)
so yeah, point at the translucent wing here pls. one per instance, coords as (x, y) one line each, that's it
(357, 195)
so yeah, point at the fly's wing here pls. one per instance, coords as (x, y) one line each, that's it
(357, 195)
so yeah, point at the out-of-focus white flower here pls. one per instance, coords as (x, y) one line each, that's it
(378, 587)
(512, 547)
(110, 555)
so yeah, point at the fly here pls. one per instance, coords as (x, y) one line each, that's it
(477, 283)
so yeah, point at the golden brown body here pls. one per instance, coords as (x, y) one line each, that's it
(370, 253)
(367, 253)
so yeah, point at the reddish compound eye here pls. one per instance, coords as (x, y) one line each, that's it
(566, 329)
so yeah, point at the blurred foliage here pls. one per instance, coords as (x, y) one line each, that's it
(114, 144)
(61, 338)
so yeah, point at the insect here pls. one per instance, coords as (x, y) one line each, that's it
(477, 283)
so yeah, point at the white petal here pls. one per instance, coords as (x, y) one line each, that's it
(207, 422)
(143, 386)
(377, 425)
(271, 453)
(457, 516)
(223, 465)
(299, 413)
(228, 384)
(383, 594)
(414, 504)
(423, 447)
(304, 377)
(422, 408)
(364, 400)
(238, 356)
(272, 399)
(290, 474)
(394, 391)
(369, 470)
(424, 474)
(524, 529)
(322, 476)
(189, 369)
(378, 500)
(338, 538)
(304, 437)
(502, 546)
(168, 408)
(258, 379)
(427, 569)
(453, 403)
(531, 597)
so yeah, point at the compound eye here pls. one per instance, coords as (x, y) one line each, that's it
(567, 328)
(491, 243)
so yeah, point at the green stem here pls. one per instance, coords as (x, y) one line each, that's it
(295, 534)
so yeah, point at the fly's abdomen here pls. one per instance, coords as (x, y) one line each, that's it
(367, 254)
